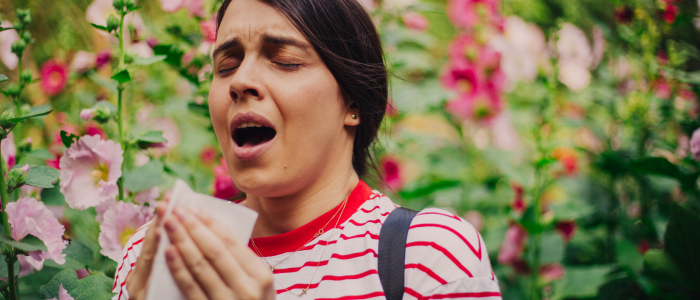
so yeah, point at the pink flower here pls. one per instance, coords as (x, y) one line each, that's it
(171, 133)
(83, 61)
(54, 76)
(89, 171)
(27, 265)
(92, 128)
(29, 216)
(695, 144)
(567, 229)
(7, 38)
(461, 76)
(194, 7)
(670, 13)
(573, 75)
(120, 222)
(467, 13)
(63, 294)
(170, 5)
(208, 155)
(9, 151)
(598, 46)
(503, 134)
(513, 244)
(103, 58)
(147, 196)
(391, 170)
(518, 202)
(662, 89)
(101, 208)
(208, 28)
(475, 218)
(481, 106)
(87, 114)
(551, 272)
(415, 21)
(224, 188)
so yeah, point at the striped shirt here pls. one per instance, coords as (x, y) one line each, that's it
(445, 256)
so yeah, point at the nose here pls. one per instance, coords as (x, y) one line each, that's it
(247, 82)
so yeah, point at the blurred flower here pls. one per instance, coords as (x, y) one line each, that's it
(523, 49)
(461, 76)
(513, 244)
(518, 202)
(480, 106)
(468, 13)
(194, 7)
(120, 222)
(695, 144)
(475, 218)
(620, 67)
(92, 128)
(598, 46)
(29, 216)
(83, 61)
(568, 158)
(662, 57)
(369, 5)
(643, 246)
(27, 265)
(683, 147)
(391, 171)
(9, 151)
(87, 114)
(208, 155)
(89, 171)
(624, 15)
(575, 76)
(54, 76)
(415, 21)
(224, 188)
(147, 196)
(566, 229)
(670, 12)
(63, 294)
(574, 57)
(208, 28)
(98, 11)
(142, 49)
(103, 58)
(171, 5)
(171, 133)
(551, 272)
(503, 134)
(7, 38)
(662, 89)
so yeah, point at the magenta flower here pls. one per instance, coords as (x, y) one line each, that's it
(7, 38)
(103, 58)
(120, 222)
(566, 229)
(63, 294)
(551, 272)
(513, 244)
(467, 13)
(462, 76)
(415, 21)
(208, 28)
(482, 106)
(9, 151)
(695, 144)
(224, 188)
(29, 216)
(89, 171)
(391, 170)
(54, 76)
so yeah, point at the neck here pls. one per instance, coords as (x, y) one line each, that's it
(283, 214)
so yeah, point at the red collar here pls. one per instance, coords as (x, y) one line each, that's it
(293, 240)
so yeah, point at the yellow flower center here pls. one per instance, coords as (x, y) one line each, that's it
(100, 173)
(126, 234)
(464, 86)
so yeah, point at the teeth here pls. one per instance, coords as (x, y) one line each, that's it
(249, 124)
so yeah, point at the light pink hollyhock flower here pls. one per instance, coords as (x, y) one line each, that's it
(695, 144)
(101, 208)
(89, 171)
(573, 75)
(415, 21)
(98, 11)
(598, 46)
(29, 216)
(120, 222)
(467, 13)
(524, 49)
(87, 114)
(9, 151)
(551, 272)
(82, 273)
(194, 7)
(27, 265)
(503, 134)
(171, 133)
(7, 38)
(147, 196)
(391, 170)
(513, 244)
(142, 49)
(208, 28)
(573, 45)
(54, 76)
(63, 294)
(170, 5)
(83, 61)
(481, 106)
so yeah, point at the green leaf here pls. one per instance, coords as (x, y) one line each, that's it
(135, 8)
(42, 176)
(77, 257)
(659, 265)
(429, 189)
(3, 267)
(628, 255)
(151, 137)
(68, 138)
(3, 78)
(200, 109)
(5, 28)
(122, 77)
(53, 196)
(144, 177)
(178, 170)
(28, 243)
(580, 282)
(552, 248)
(100, 27)
(661, 166)
(682, 241)
(141, 61)
(40, 154)
(35, 112)
(93, 287)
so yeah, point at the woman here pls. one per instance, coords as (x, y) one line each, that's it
(299, 92)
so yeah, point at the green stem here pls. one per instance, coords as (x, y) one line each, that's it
(121, 41)
(3, 194)
(120, 124)
(536, 240)
(18, 103)
(612, 221)
(11, 279)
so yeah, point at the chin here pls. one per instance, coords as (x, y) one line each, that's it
(263, 181)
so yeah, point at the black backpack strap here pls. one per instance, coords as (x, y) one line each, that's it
(392, 251)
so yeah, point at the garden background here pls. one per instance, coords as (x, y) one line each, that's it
(563, 130)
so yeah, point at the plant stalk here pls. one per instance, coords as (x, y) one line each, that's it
(120, 124)
(18, 104)
(3, 193)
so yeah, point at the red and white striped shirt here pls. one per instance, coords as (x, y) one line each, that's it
(445, 255)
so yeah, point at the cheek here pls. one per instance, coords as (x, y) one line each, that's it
(219, 104)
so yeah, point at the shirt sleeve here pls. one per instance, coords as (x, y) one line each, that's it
(130, 254)
(446, 258)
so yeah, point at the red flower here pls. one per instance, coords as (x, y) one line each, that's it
(670, 13)
(568, 158)
(513, 244)
(54, 76)
(224, 188)
(624, 15)
(518, 203)
(391, 170)
(103, 58)
(551, 272)
(643, 246)
(567, 229)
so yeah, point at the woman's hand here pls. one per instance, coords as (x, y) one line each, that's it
(137, 280)
(208, 262)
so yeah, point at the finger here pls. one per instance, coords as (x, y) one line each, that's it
(196, 263)
(214, 249)
(183, 278)
(249, 261)
(142, 269)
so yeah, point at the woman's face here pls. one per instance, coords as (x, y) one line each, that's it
(277, 110)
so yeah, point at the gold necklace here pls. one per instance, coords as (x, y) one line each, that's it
(341, 209)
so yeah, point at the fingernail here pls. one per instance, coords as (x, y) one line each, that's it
(169, 225)
(169, 255)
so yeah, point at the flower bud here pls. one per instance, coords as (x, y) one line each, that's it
(25, 109)
(130, 4)
(18, 47)
(17, 25)
(5, 118)
(118, 5)
(129, 58)
(112, 23)
(27, 18)
(26, 75)
(87, 114)
(16, 177)
(25, 146)
(6, 251)
(12, 89)
(102, 114)
(27, 36)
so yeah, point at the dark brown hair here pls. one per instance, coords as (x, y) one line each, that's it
(345, 38)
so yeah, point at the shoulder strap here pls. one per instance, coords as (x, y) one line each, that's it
(392, 251)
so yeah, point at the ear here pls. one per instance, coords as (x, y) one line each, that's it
(352, 116)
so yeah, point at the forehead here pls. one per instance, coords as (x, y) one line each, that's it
(250, 20)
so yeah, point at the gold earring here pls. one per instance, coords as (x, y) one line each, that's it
(354, 116)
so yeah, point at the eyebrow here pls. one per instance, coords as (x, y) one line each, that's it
(226, 45)
(283, 41)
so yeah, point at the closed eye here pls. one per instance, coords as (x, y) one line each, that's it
(223, 72)
(288, 66)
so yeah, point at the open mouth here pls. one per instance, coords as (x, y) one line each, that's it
(251, 134)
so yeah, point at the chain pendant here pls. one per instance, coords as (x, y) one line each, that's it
(272, 268)
(303, 291)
